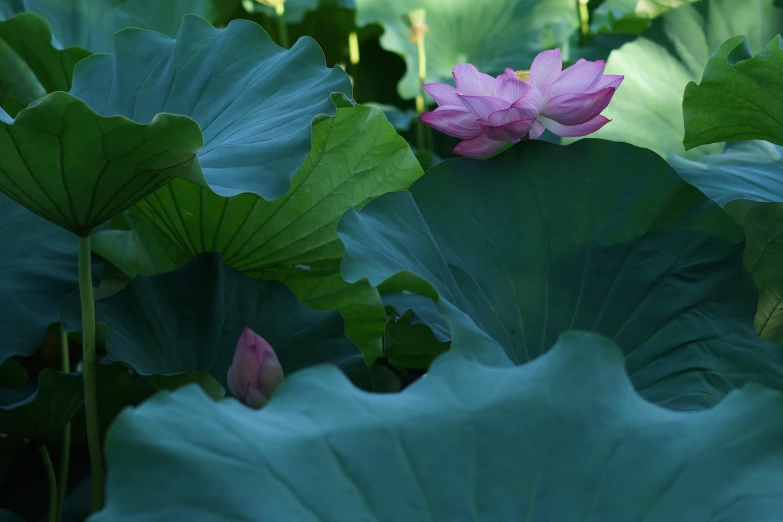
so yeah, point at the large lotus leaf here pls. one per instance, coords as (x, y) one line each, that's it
(255, 109)
(630, 16)
(747, 180)
(190, 320)
(564, 437)
(77, 169)
(38, 269)
(492, 36)
(90, 24)
(31, 66)
(596, 236)
(739, 96)
(166, 16)
(647, 108)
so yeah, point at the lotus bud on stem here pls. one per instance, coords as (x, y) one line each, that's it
(417, 21)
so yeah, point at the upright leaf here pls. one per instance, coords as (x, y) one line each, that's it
(630, 16)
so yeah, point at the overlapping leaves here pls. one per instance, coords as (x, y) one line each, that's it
(596, 236)
(372, 457)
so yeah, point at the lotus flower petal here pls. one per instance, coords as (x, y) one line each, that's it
(454, 122)
(609, 80)
(578, 78)
(573, 131)
(442, 93)
(472, 82)
(483, 106)
(573, 109)
(537, 130)
(512, 131)
(546, 68)
(510, 88)
(477, 147)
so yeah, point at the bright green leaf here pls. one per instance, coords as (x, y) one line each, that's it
(647, 108)
(595, 236)
(77, 169)
(740, 97)
(493, 36)
(468, 442)
(190, 320)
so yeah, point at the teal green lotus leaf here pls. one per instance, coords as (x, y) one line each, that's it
(492, 36)
(255, 110)
(595, 236)
(471, 441)
(78, 169)
(38, 269)
(31, 65)
(747, 180)
(647, 109)
(90, 24)
(739, 96)
(190, 320)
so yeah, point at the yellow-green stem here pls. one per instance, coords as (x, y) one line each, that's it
(584, 19)
(89, 368)
(421, 139)
(65, 447)
(282, 28)
(353, 48)
(52, 482)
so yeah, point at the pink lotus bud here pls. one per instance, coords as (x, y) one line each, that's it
(255, 373)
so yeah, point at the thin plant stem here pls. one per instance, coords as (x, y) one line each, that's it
(89, 368)
(584, 20)
(421, 136)
(353, 48)
(282, 28)
(52, 482)
(65, 447)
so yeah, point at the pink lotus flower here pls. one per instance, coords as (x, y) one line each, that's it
(488, 112)
(255, 372)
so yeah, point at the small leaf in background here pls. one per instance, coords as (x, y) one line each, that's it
(410, 344)
(630, 16)
(739, 96)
